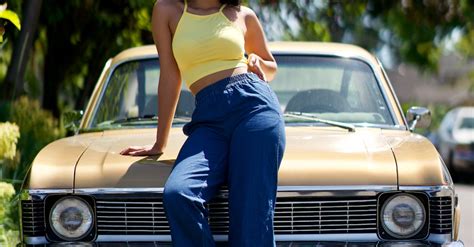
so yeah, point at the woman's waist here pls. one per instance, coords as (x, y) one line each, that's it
(216, 77)
(216, 90)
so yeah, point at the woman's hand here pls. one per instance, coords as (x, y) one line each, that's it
(255, 66)
(142, 151)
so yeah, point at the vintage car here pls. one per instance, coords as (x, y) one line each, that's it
(353, 171)
(456, 140)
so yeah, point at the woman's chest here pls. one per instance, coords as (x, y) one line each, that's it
(228, 17)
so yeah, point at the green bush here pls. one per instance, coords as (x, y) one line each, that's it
(9, 134)
(37, 128)
(8, 226)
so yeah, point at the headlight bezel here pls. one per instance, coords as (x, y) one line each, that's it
(51, 233)
(421, 234)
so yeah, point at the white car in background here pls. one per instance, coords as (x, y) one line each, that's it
(456, 139)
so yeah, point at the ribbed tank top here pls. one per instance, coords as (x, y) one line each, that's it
(206, 44)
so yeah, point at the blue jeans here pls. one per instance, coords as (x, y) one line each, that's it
(236, 138)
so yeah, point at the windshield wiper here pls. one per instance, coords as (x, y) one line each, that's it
(134, 119)
(311, 117)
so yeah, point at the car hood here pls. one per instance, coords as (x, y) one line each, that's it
(314, 156)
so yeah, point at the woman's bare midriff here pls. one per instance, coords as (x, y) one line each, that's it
(215, 77)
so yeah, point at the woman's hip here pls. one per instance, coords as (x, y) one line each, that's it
(232, 99)
(241, 92)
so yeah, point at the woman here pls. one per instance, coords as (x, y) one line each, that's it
(236, 135)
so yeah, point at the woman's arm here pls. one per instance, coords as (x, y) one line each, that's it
(261, 60)
(169, 81)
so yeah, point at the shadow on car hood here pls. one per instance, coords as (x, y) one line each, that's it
(314, 156)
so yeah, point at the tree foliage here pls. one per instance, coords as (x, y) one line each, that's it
(10, 16)
(80, 37)
(413, 31)
(76, 37)
(37, 128)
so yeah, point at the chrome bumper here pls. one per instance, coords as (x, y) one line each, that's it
(279, 244)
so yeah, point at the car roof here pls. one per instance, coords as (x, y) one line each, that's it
(465, 111)
(316, 48)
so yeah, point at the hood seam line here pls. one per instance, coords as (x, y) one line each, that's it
(77, 163)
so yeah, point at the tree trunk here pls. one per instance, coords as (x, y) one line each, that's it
(56, 62)
(13, 85)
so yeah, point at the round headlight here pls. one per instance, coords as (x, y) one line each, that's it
(71, 218)
(403, 216)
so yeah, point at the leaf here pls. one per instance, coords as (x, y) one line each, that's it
(12, 17)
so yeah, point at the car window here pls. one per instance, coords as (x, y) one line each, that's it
(467, 123)
(339, 89)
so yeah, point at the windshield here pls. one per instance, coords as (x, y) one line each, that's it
(130, 97)
(329, 88)
(337, 89)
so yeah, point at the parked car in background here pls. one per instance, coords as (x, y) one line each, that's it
(353, 171)
(456, 139)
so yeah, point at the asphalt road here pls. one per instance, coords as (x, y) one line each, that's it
(465, 192)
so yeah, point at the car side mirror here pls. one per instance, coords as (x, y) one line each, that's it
(71, 120)
(418, 117)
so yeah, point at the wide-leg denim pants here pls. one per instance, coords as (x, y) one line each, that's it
(236, 138)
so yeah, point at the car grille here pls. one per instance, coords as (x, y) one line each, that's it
(32, 218)
(441, 215)
(293, 215)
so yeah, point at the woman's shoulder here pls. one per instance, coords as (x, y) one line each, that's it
(168, 6)
(247, 13)
(242, 10)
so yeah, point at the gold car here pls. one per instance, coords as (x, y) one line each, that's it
(353, 170)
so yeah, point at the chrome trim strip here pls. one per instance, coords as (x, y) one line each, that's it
(36, 240)
(432, 190)
(96, 87)
(219, 238)
(117, 190)
(282, 190)
(338, 188)
(389, 83)
(50, 191)
(435, 238)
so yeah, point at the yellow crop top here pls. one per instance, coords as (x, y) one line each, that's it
(206, 44)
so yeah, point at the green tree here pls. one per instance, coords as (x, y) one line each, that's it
(76, 37)
(7, 15)
(413, 30)
(80, 36)
(16, 70)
